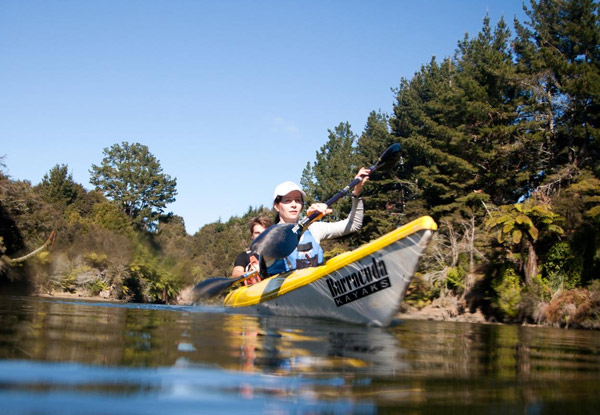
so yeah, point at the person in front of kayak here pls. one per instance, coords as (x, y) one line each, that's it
(288, 201)
(246, 261)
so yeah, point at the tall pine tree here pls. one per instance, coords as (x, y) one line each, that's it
(384, 195)
(334, 167)
(459, 123)
(559, 59)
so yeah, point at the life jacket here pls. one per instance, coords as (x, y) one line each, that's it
(308, 253)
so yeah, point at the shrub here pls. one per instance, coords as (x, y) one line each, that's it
(508, 293)
(455, 277)
(97, 287)
(421, 291)
(534, 300)
(562, 270)
(96, 260)
(108, 216)
(150, 283)
(574, 308)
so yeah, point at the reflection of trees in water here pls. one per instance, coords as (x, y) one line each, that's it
(463, 349)
(416, 360)
(50, 330)
(160, 336)
(56, 331)
(475, 363)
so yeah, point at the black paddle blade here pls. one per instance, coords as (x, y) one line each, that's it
(212, 287)
(389, 158)
(277, 241)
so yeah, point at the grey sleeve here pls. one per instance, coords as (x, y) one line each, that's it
(330, 230)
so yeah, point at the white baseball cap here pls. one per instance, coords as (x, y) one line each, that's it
(284, 188)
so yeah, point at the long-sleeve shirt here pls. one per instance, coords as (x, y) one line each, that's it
(330, 230)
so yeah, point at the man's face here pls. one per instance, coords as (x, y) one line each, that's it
(257, 230)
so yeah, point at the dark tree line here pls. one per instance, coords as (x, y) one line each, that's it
(501, 138)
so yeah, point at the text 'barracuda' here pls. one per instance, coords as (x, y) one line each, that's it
(365, 281)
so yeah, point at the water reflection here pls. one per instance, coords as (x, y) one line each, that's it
(289, 346)
(110, 355)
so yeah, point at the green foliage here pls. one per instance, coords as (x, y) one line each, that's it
(57, 186)
(386, 194)
(578, 204)
(149, 282)
(131, 176)
(507, 289)
(421, 291)
(540, 290)
(334, 167)
(68, 282)
(98, 248)
(557, 53)
(457, 123)
(423, 125)
(96, 260)
(108, 216)
(517, 221)
(562, 269)
(588, 191)
(97, 287)
(455, 278)
(519, 228)
(71, 281)
(214, 247)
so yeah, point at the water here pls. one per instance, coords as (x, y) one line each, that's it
(75, 357)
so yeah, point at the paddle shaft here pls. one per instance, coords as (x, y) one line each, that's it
(245, 276)
(308, 219)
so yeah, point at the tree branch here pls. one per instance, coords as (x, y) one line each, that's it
(50, 240)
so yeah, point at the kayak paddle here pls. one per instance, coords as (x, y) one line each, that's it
(280, 240)
(214, 286)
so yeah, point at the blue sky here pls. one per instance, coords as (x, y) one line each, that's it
(233, 97)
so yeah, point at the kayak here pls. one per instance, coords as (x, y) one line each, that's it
(363, 286)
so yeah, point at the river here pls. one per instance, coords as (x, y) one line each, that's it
(78, 357)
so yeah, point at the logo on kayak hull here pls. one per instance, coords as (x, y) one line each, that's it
(365, 281)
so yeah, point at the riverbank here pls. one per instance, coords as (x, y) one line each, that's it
(435, 311)
(78, 296)
(441, 309)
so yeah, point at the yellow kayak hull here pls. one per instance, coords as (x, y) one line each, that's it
(364, 286)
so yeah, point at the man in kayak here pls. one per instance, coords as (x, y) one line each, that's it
(245, 262)
(288, 201)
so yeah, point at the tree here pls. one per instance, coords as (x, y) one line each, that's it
(385, 194)
(579, 204)
(492, 134)
(558, 61)
(426, 121)
(519, 225)
(58, 186)
(333, 169)
(133, 178)
(558, 56)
